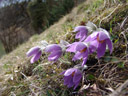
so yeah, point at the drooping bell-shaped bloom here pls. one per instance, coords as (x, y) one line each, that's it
(72, 77)
(81, 51)
(55, 50)
(91, 42)
(81, 32)
(35, 52)
(100, 39)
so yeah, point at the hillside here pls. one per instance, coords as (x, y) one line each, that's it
(21, 78)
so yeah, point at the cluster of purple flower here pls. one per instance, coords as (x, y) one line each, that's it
(95, 42)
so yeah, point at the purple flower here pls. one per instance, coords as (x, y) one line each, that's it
(100, 39)
(35, 52)
(55, 50)
(81, 51)
(81, 32)
(72, 77)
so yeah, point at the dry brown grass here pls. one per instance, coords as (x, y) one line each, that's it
(18, 75)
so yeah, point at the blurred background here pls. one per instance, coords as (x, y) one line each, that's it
(20, 19)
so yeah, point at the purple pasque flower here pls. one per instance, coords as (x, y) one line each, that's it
(72, 77)
(55, 50)
(81, 51)
(99, 40)
(35, 52)
(81, 32)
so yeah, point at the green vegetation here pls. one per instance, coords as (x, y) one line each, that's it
(38, 13)
(43, 14)
(39, 78)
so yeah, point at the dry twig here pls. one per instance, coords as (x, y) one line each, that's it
(122, 90)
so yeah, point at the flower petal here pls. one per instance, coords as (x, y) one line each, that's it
(78, 35)
(52, 47)
(80, 55)
(103, 30)
(54, 55)
(81, 35)
(70, 84)
(80, 46)
(80, 29)
(84, 61)
(77, 76)
(36, 57)
(67, 79)
(69, 71)
(72, 47)
(91, 37)
(101, 49)
(33, 51)
(77, 56)
(82, 32)
(93, 46)
(76, 84)
(85, 54)
(62, 72)
(103, 36)
(110, 46)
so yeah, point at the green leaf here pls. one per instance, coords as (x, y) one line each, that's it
(116, 40)
(48, 93)
(121, 65)
(57, 41)
(90, 77)
(111, 30)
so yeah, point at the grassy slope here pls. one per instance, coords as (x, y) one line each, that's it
(54, 32)
(16, 62)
